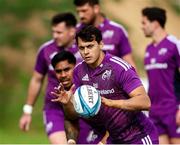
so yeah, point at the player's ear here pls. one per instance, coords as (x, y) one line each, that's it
(96, 9)
(72, 31)
(101, 44)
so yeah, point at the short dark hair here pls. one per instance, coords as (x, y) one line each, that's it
(155, 14)
(68, 18)
(89, 33)
(62, 56)
(83, 2)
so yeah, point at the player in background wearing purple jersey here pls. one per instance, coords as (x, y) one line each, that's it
(115, 37)
(123, 93)
(162, 60)
(63, 32)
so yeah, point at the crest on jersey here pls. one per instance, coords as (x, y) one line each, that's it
(106, 75)
(108, 34)
(162, 51)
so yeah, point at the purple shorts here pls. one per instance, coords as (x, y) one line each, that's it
(150, 138)
(166, 124)
(54, 121)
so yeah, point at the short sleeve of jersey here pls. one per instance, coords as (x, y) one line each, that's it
(124, 44)
(177, 73)
(128, 79)
(41, 65)
(177, 54)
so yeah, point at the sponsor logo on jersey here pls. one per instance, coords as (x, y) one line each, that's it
(106, 75)
(105, 92)
(155, 65)
(85, 78)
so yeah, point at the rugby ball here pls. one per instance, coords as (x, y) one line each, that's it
(86, 101)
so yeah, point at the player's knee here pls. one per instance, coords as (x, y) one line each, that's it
(58, 138)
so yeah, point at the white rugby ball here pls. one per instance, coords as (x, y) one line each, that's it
(86, 101)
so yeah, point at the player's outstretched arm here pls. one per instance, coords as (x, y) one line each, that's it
(139, 100)
(33, 92)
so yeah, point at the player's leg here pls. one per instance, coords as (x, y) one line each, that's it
(58, 137)
(175, 140)
(161, 127)
(54, 124)
(173, 128)
(88, 135)
(164, 139)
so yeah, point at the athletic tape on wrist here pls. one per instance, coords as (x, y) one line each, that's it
(71, 141)
(27, 109)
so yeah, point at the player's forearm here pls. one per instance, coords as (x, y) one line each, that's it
(71, 129)
(69, 111)
(33, 91)
(136, 103)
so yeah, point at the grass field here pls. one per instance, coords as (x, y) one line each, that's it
(9, 129)
(15, 136)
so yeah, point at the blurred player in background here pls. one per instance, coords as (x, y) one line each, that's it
(63, 32)
(115, 37)
(123, 94)
(162, 61)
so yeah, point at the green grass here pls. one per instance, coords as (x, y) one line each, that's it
(15, 136)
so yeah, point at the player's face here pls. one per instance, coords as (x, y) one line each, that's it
(91, 52)
(63, 35)
(147, 26)
(64, 73)
(87, 13)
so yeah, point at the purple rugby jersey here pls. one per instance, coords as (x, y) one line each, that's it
(114, 79)
(43, 66)
(161, 63)
(115, 38)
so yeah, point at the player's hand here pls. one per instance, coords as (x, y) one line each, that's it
(108, 102)
(104, 139)
(62, 95)
(25, 121)
(178, 117)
